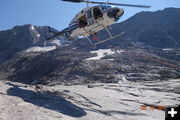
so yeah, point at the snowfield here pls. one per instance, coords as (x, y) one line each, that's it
(102, 53)
(38, 49)
(121, 101)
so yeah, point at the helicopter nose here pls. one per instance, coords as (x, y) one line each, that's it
(115, 13)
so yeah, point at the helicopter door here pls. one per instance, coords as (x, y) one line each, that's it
(83, 21)
(97, 13)
(90, 18)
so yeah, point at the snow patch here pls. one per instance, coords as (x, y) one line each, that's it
(167, 49)
(32, 27)
(38, 35)
(119, 51)
(56, 42)
(38, 49)
(33, 30)
(101, 53)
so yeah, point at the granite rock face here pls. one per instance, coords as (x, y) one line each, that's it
(78, 102)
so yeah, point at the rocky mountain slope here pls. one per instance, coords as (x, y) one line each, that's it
(157, 29)
(73, 66)
(20, 38)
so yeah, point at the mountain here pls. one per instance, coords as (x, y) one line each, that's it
(149, 50)
(20, 38)
(159, 29)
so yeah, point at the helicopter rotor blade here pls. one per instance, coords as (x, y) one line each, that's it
(119, 4)
(105, 3)
(76, 1)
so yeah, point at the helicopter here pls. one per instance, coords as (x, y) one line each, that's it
(92, 19)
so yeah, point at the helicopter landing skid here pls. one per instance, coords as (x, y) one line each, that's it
(101, 41)
(112, 37)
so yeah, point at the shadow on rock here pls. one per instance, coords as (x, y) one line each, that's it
(123, 113)
(47, 101)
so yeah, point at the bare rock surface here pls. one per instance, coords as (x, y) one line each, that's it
(120, 101)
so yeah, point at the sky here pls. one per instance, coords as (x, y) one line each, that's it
(58, 14)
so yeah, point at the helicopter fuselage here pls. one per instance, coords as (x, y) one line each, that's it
(93, 19)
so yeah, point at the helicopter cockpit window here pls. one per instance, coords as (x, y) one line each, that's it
(83, 21)
(97, 13)
(103, 7)
(89, 14)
